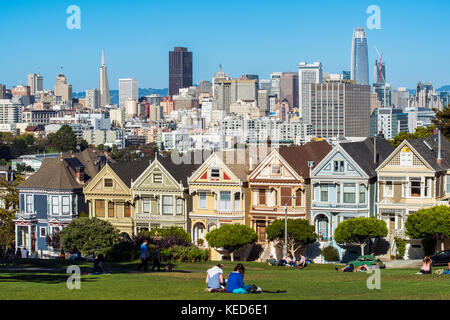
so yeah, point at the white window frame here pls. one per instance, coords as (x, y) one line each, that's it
(40, 232)
(167, 206)
(68, 205)
(385, 190)
(53, 205)
(179, 206)
(224, 204)
(31, 204)
(211, 174)
(146, 202)
(237, 202)
(200, 206)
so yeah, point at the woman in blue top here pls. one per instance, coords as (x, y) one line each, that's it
(236, 279)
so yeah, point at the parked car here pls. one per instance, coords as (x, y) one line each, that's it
(441, 259)
(368, 260)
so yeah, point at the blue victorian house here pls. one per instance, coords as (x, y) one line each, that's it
(344, 187)
(52, 197)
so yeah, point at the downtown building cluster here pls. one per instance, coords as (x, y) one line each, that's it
(306, 140)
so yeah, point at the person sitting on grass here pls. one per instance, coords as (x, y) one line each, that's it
(236, 280)
(272, 261)
(426, 266)
(301, 262)
(99, 265)
(214, 278)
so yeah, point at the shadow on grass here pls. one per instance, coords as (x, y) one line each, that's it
(44, 278)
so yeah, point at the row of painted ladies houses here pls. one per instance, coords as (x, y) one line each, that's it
(204, 190)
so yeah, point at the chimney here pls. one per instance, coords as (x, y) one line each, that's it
(439, 157)
(80, 175)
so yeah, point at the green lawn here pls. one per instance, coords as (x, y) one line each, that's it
(186, 282)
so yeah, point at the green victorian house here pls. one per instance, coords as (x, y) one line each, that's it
(161, 195)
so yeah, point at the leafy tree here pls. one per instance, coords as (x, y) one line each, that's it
(172, 231)
(9, 198)
(64, 139)
(432, 222)
(359, 231)
(442, 121)
(83, 145)
(421, 133)
(231, 237)
(89, 235)
(299, 234)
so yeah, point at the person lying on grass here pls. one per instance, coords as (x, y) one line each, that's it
(351, 268)
(214, 278)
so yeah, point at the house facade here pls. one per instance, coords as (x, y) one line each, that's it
(109, 195)
(413, 177)
(220, 194)
(161, 195)
(344, 187)
(52, 197)
(282, 181)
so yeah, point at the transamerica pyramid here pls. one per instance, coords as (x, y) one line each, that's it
(103, 86)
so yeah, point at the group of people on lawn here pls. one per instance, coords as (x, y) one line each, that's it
(287, 261)
(235, 284)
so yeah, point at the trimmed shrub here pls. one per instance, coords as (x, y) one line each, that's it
(330, 254)
(401, 247)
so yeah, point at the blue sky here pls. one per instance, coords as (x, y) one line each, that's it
(245, 36)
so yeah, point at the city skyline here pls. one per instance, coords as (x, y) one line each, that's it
(403, 39)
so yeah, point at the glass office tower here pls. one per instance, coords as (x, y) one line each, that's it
(360, 60)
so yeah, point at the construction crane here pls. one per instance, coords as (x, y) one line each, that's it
(382, 79)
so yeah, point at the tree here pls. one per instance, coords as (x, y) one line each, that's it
(429, 223)
(442, 121)
(420, 133)
(231, 237)
(64, 139)
(9, 199)
(299, 234)
(359, 231)
(83, 145)
(89, 235)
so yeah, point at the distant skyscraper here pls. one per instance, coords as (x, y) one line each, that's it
(379, 73)
(128, 89)
(307, 74)
(180, 70)
(92, 99)
(35, 82)
(360, 62)
(103, 86)
(63, 90)
(275, 78)
(289, 88)
(346, 75)
(2, 91)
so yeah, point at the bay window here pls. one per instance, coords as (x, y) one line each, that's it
(349, 193)
(29, 203)
(65, 205)
(324, 192)
(237, 202)
(167, 203)
(416, 187)
(55, 205)
(202, 200)
(146, 205)
(179, 206)
(362, 193)
(225, 201)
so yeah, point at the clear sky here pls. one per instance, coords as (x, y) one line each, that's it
(245, 36)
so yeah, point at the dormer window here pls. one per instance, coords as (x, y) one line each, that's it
(338, 166)
(215, 173)
(108, 183)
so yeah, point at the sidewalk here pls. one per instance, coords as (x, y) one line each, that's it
(398, 264)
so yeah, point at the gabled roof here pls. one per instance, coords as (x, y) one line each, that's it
(130, 171)
(60, 173)
(239, 164)
(362, 152)
(298, 156)
(430, 153)
(180, 172)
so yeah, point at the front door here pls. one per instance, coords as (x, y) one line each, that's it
(261, 231)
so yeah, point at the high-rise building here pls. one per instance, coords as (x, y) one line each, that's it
(289, 88)
(180, 70)
(275, 78)
(339, 109)
(400, 98)
(9, 112)
(388, 121)
(2, 91)
(103, 85)
(379, 73)
(307, 74)
(128, 89)
(359, 60)
(92, 99)
(21, 93)
(63, 90)
(35, 82)
(346, 75)
(227, 92)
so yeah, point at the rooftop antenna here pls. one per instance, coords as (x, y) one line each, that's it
(382, 79)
